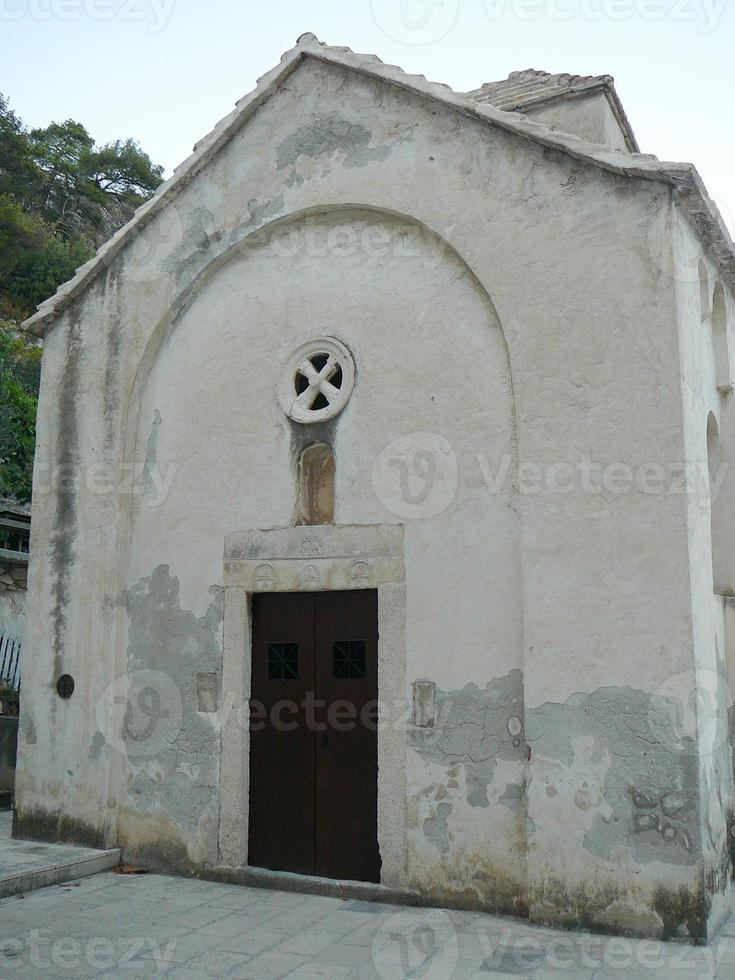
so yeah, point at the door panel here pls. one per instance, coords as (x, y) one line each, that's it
(347, 752)
(313, 780)
(282, 749)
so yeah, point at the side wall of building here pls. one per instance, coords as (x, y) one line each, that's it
(710, 490)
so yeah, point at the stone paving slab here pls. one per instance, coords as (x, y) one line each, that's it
(157, 926)
(28, 865)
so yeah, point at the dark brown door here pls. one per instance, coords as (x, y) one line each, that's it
(314, 743)
(282, 749)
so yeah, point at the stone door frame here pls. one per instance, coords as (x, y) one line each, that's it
(311, 559)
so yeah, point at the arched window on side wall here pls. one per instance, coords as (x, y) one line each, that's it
(719, 333)
(717, 530)
(704, 291)
(315, 489)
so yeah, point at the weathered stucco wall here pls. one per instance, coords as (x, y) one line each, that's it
(695, 278)
(508, 301)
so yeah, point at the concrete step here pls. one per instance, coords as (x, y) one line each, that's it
(26, 865)
(55, 872)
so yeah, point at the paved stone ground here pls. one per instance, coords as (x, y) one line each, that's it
(154, 926)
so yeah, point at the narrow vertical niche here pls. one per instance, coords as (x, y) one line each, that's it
(704, 291)
(717, 531)
(719, 326)
(315, 490)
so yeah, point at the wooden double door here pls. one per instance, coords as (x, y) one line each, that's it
(313, 734)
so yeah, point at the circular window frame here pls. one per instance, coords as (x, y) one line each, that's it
(290, 399)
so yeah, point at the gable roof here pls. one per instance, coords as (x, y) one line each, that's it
(523, 90)
(682, 176)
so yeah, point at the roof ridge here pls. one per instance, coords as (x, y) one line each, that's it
(682, 176)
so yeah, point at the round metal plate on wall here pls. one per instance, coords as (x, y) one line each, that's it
(317, 381)
(65, 686)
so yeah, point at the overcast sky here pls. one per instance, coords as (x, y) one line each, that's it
(164, 71)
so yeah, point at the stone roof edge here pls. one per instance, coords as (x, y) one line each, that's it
(683, 176)
(618, 109)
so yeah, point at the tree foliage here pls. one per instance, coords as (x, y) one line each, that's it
(20, 364)
(61, 197)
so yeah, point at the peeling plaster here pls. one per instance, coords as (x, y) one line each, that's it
(473, 728)
(618, 755)
(151, 454)
(436, 829)
(176, 770)
(261, 212)
(194, 250)
(636, 740)
(326, 135)
(513, 796)
(96, 746)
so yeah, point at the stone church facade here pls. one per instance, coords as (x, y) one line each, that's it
(418, 403)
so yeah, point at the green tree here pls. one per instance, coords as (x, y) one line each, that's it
(18, 172)
(85, 191)
(33, 260)
(61, 197)
(20, 369)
